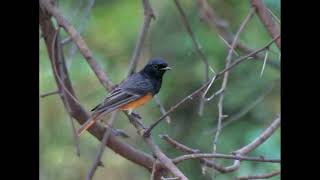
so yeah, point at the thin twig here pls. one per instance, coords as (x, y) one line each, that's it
(225, 78)
(178, 145)
(274, 16)
(49, 93)
(203, 161)
(57, 54)
(215, 22)
(103, 143)
(148, 15)
(198, 48)
(83, 20)
(78, 112)
(260, 176)
(261, 138)
(267, 20)
(81, 44)
(224, 156)
(218, 75)
(162, 109)
(245, 109)
(163, 159)
(153, 170)
(264, 63)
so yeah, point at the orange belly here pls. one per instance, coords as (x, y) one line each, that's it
(134, 104)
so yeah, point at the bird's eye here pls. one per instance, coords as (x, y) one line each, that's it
(156, 66)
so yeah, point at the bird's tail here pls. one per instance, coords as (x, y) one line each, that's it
(86, 125)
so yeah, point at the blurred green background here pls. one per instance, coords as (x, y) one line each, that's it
(111, 31)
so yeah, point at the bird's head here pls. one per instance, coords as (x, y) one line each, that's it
(156, 67)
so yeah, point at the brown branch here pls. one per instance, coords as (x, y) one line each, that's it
(160, 156)
(261, 138)
(239, 153)
(85, 51)
(178, 145)
(203, 87)
(260, 176)
(198, 48)
(77, 112)
(148, 15)
(164, 159)
(226, 76)
(224, 156)
(102, 147)
(215, 22)
(267, 20)
(188, 150)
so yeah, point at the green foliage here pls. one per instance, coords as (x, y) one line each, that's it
(111, 32)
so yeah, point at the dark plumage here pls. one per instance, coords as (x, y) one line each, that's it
(132, 92)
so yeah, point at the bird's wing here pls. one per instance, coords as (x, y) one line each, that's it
(131, 89)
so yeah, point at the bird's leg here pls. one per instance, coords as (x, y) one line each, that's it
(136, 115)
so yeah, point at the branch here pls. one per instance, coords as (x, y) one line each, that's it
(188, 150)
(105, 138)
(77, 112)
(203, 87)
(75, 36)
(261, 138)
(209, 16)
(162, 109)
(226, 76)
(164, 159)
(160, 156)
(198, 48)
(148, 15)
(267, 20)
(49, 93)
(224, 156)
(245, 109)
(260, 176)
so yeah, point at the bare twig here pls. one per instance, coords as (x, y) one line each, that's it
(267, 20)
(85, 51)
(57, 54)
(162, 109)
(198, 48)
(153, 170)
(261, 138)
(49, 93)
(163, 159)
(205, 162)
(196, 92)
(264, 63)
(245, 109)
(225, 78)
(77, 112)
(178, 145)
(215, 22)
(274, 16)
(260, 176)
(224, 156)
(148, 15)
(102, 146)
(83, 21)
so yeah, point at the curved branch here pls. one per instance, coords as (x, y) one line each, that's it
(267, 20)
(77, 112)
(75, 36)
(148, 15)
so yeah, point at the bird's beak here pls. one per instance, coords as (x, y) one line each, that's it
(166, 68)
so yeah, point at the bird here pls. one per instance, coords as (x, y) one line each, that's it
(133, 92)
